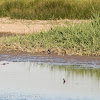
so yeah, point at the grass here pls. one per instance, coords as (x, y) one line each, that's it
(49, 9)
(80, 39)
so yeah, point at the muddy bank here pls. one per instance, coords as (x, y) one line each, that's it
(49, 58)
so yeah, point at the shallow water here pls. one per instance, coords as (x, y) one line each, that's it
(44, 81)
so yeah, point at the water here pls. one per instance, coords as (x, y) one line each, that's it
(43, 80)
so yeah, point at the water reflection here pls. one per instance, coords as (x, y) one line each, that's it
(78, 70)
(44, 81)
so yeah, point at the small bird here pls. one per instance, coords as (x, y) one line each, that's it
(48, 51)
(4, 64)
(64, 81)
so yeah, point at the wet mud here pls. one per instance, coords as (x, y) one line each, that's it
(49, 58)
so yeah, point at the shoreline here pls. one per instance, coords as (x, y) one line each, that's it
(79, 58)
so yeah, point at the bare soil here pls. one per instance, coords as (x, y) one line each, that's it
(18, 26)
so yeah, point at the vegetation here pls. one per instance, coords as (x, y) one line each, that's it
(80, 39)
(82, 70)
(78, 70)
(49, 9)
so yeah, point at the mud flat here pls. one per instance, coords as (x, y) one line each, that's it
(49, 58)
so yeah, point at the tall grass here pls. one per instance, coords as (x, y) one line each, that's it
(49, 9)
(83, 39)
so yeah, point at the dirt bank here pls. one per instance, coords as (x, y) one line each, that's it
(17, 26)
(54, 58)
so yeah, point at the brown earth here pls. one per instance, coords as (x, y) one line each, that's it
(18, 26)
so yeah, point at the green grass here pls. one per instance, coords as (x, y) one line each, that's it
(49, 9)
(80, 39)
